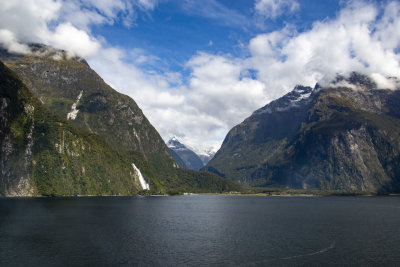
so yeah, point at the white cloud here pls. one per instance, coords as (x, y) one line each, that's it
(8, 40)
(218, 88)
(83, 14)
(215, 10)
(147, 4)
(27, 19)
(217, 96)
(388, 28)
(75, 41)
(359, 39)
(385, 82)
(64, 24)
(271, 9)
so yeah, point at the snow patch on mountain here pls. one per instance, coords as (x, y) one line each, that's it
(185, 156)
(206, 155)
(299, 96)
(174, 144)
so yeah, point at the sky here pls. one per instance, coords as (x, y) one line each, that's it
(198, 68)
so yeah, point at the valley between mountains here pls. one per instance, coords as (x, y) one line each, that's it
(64, 131)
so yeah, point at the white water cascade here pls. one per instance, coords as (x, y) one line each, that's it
(143, 183)
(74, 112)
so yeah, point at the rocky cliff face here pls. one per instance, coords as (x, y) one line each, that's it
(345, 136)
(185, 157)
(44, 154)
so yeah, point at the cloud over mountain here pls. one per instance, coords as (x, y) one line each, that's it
(362, 38)
(63, 24)
(215, 90)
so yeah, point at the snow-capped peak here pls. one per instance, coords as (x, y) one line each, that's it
(204, 154)
(174, 143)
(298, 96)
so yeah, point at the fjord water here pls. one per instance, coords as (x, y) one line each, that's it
(200, 230)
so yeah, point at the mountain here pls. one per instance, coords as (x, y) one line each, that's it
(70, 89)
(206, 156)
(185, 157)
(178, 159)
(344, 136)
(44, 154)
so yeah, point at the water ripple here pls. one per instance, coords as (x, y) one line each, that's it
(296, 256)
(312, 253)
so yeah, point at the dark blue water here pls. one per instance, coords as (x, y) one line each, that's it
(200, 230)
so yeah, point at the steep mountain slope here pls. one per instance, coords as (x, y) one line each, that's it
(185, 157)
(44, 154)
(344, 137)
(72, 90)
(178, 159)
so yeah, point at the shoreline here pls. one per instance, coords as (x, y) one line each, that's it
(271, 194)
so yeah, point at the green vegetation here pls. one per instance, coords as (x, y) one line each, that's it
(60, 106)
(91, 155)
(202, 182)
(61, 159)
(280, 191)
(114, 117)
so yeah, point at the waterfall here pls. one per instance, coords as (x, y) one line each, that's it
(143, 183)
(74, 112)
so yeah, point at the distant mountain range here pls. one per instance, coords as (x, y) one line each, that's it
(64, 131)
(185, 157)
(344, 136)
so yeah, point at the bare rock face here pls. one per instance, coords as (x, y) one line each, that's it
(345, 136)
(16, 181)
